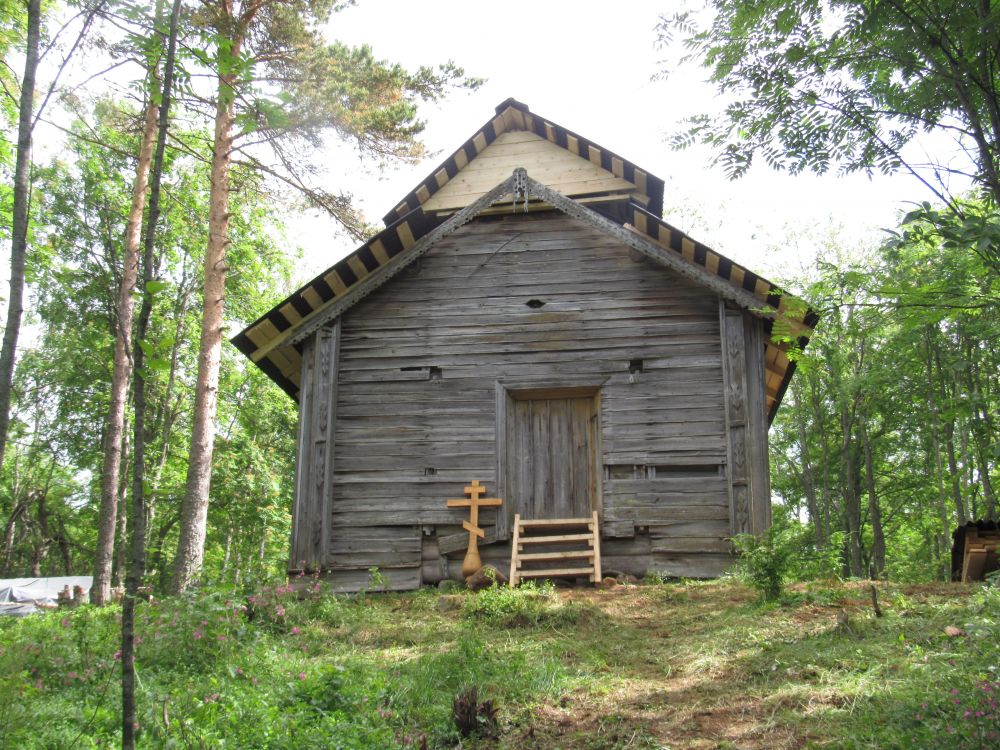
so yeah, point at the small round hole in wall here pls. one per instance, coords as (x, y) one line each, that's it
(534, 304)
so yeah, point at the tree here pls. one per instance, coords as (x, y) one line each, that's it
(150, 287)
(122, 363)
(19, 229)
(818, 84)
(27, 117)
(260, 48)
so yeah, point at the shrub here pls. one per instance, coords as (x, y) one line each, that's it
(765, 562)
(504, 606)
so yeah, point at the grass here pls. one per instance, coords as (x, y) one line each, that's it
(665, 665)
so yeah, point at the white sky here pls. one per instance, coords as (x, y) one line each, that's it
(588, 65)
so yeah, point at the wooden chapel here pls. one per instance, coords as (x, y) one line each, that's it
(527, 319)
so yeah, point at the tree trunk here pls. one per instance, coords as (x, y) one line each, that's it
(982, 430)
(100, 593)
(43, 541)
(938, 463)
(852, 503)
(809, 485)
(949, 437)
(874, 511)
(194, 511)
(19, 227)
(64, 549)
(138, 562)
(9, 532)
(118, 580)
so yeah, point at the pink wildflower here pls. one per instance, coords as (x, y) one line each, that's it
(66, 622)
(295, 630)
(197, 634)
(302, 675)
(280, 611)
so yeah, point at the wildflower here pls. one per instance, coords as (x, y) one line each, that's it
(295, 630)
(918, 717)
(302, 675)
(222, 637)
(197, 634)
(118, 655)
(954, 691)
(280, 611)
(239, 671)
(66, 622)
(71, 675)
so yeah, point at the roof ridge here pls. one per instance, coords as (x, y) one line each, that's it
(645, 181)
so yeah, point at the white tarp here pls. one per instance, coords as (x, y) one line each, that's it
(45, 590)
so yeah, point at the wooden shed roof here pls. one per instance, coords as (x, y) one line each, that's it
(630, 203)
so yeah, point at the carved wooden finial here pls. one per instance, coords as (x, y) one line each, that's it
(520, 190)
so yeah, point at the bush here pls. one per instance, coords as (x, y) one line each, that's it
(504, 606)
(766, 562)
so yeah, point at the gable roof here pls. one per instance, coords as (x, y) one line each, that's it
(514, 123)
(273, 342)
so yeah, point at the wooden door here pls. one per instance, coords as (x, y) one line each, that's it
(552, 452)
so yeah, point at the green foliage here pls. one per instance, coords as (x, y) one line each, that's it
(531, 604)
(506, 606)
(766, 562)
(382, 672)
(819, 85)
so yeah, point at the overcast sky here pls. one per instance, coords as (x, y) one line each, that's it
(588, 66)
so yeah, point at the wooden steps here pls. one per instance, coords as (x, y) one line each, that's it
(538, 532)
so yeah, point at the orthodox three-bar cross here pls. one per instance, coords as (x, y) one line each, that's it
(473, 502)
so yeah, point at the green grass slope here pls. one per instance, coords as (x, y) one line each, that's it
(672, 665)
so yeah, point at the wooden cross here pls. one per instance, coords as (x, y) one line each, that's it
(473, 502)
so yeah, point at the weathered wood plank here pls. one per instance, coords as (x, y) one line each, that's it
(691, 565)
(463, 311)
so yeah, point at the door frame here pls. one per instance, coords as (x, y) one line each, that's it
(510, 391)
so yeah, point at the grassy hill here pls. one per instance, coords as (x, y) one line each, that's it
(670, 665)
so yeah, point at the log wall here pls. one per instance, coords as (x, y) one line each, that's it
(422, 367)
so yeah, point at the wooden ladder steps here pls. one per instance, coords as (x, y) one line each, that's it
(577, 554)
(588, 548)
(561, 539)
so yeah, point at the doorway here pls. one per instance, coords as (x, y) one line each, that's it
(552, 453)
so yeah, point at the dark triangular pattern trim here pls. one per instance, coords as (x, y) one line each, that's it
(540, 126)
(400, 244)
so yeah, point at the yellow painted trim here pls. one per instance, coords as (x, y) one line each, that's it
(336, 283)
(357, 266)
(378, 250)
